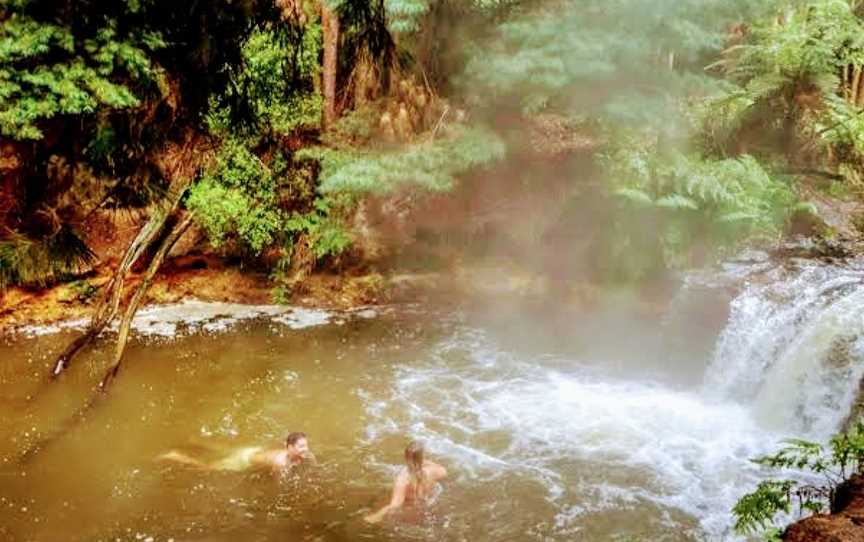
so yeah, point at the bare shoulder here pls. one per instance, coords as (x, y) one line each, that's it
(271, 458)
(435, 470)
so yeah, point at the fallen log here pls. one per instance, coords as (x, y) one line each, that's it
(179, 163)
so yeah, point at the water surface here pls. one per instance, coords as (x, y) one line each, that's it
(610, 422)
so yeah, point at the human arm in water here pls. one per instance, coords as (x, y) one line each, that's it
(281, 464)
(434, 473)
(397, 499)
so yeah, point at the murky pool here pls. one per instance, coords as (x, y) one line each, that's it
(546, 437)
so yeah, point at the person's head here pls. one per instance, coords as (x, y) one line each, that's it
(297, 444)
(414, 458)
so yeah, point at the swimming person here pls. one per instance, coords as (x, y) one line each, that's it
(295, 452)
(414, 484)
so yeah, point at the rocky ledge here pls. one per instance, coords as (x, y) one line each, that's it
(845, 523)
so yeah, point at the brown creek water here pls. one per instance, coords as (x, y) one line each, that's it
(598, 425)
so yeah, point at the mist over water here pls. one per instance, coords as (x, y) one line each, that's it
(550, 429)
(601, 440)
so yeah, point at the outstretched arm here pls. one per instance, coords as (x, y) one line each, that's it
(400, 486)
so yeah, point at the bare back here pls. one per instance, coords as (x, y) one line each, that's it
(406, 490)
(422, 491)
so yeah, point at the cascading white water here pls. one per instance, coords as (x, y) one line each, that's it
(787, 364)
(793, 350)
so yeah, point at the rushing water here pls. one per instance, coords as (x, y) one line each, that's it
(610, 423)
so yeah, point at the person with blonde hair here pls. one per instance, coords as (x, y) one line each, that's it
(413, 484)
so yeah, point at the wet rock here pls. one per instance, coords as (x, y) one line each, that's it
(844, 524)
(827, 250)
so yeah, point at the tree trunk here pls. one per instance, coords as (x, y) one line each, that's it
(132, 307)
(178, 162)
(860, 95)
(109, 304)
(330, 27)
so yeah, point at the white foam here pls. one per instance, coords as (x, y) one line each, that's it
(200, 316)
(594, 442)
(48, 329)
(299, 318)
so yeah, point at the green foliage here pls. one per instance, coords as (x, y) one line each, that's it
(595, 57)
(405, 16)
(273, 88)
(844, 457)
(788, 81)
(25, 261)
(756, 511)
(812, 44)
(319, 231)
(321, 228)
(695, 199)
(244, 199)
(237, 197)
(431, 164)
(46, 71)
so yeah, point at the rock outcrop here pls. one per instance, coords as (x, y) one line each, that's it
(844, 524)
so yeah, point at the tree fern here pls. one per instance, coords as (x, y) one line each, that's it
(27, 261)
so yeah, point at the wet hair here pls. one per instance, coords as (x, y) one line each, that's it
(414, 461)
(294, 438)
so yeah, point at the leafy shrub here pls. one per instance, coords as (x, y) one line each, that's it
(844, 457)
(46, 71)
(430, 164)
(321, 228)
(273, 88)
(237, 197)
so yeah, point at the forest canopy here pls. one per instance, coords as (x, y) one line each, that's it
(708, 115)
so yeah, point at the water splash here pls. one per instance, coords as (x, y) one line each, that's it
(793, 350)
(596, 444)
(787, 364)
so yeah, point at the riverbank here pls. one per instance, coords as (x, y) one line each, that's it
(200, 278)
(211, 279)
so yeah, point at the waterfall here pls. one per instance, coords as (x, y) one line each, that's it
(592, 440)
(793, 349)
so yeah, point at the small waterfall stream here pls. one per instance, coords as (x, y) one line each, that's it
(793, 350)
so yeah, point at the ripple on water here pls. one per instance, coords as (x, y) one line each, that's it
(596, 445)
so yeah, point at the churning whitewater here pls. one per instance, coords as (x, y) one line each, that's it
(787, 364)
